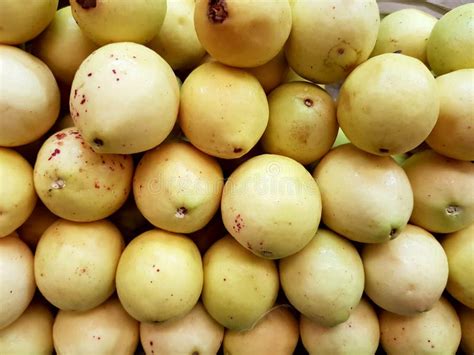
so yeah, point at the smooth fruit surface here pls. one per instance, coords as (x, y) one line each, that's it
(385, 112)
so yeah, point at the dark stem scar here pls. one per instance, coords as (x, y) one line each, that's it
(217, 11)
(237, 150)
(87, 4)
(308, 102)
(98, 142)
(181, 212)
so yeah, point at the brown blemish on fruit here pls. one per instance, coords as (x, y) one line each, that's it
(195, 353)
(181, 212)
(87, 4)
(266, 253)
(238, 223)
(394, 233)
(151, 343)
(340, 51)
(98, 142)
(217, 11)
(96, 185)
(60, 135)
(249, 245)
(157, 270)
(58, 184)
(114, 71)
(453, 210)
(54, 153)
(398, 51)
(237, 150)
(384, 150)
(90, 74)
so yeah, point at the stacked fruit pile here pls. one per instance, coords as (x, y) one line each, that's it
(308, 187)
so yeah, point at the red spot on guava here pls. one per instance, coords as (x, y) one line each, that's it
(54, 153)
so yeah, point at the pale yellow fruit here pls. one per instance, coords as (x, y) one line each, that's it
(436, 331)
(78, 184)
(466, 317)
(271, 205)
(239, 287)
(329, 38)
(159, 276)
(212, 114)
(376, 185)
(177, 41)
(242, 33)
(32, 230)
(29, 97)
(389, 104)
(23, 21)
(177, 187)
(302, 123)
(359, 334)
(63, 46)
(32, 333)
(106, 329)
(405, 31)
(453, 134)
(275, 334)
(17, 279)
(18, 197)
(329, 265)
(272, 73)
(119, 20)
(459, 248)
(75, 263)
(451, 43)
(124, 98)
(441, 189)
(406, 275)
(194, 333)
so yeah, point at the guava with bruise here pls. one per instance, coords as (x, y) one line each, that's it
(105, 329)
(18, 197)
(194, 333)
(329, 38)
(105, 21)
(78, 184)
(124, 99)
(159, 276)
(29, 97)
(242, 33)
(325, 280)
(271, 205)
(389, 104)
(31, 333)
(406, 275)
(63, 46)
(239, 287)
(380, 189)
(177, 187)
(442, 190)
(75, 263)
(17, 279)
(22, 21)
(212, 114)
(302, 123)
